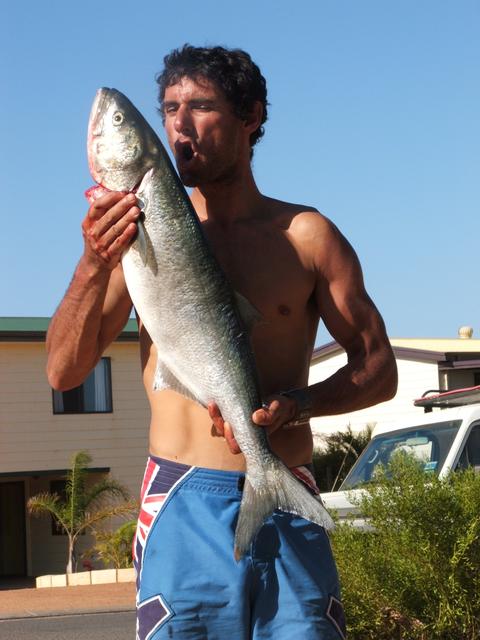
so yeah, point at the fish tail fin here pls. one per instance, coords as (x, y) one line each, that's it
(279, 490)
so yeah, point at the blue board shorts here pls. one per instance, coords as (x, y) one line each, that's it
(190, 587)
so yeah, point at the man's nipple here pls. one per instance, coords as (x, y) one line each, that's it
(283, 310)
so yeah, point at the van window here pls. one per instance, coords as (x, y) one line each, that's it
(470, 456)
(429, 444)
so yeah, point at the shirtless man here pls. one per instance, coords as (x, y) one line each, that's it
(296, 268)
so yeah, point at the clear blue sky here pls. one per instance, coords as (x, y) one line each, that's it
(374, 119)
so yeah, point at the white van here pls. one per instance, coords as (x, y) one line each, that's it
(444, 438)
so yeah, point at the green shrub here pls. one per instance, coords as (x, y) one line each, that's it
(416, 575)
(114, 548)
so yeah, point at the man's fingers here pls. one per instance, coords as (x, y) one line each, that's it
(110, 225)
(100, 205)
(222, 428)
(267, 414)
(117, 231)
(216, 418)
(119, 245)
(213, 410)
(230, 439)
(102, 223)
(262, 417)
(275, 413)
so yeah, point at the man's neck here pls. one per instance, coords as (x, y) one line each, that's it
(228, 202)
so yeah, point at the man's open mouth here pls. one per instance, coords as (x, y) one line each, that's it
(185, 151)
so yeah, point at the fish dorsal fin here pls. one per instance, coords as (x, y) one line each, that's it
(249, 314)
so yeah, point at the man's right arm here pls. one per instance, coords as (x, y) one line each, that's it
(96, 305)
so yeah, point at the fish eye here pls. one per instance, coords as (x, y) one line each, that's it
(118, 118)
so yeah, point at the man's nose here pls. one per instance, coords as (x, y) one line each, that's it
(183, 121)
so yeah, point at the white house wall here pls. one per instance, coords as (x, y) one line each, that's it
(414, 377)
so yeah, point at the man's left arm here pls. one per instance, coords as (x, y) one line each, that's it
(370, 375)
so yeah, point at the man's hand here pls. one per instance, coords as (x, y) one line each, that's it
(109, 227)
(275, 413)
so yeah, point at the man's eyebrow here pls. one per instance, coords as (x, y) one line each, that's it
(193, 102)
(169, 103)
(202, 101)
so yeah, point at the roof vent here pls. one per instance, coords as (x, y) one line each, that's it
(465, 333)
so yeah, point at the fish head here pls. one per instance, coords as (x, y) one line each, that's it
(121, 145)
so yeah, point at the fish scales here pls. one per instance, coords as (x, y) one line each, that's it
(188, 306)
(190, 296)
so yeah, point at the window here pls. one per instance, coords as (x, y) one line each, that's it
(93, 396)
(470, 456)
(429, 444)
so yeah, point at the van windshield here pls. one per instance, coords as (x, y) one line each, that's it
(430, 444)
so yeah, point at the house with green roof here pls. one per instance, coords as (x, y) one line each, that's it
(40, 430)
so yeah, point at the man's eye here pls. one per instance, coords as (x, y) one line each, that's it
(203, 107)
(170, 109)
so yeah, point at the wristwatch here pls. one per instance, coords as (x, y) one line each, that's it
(303, 411)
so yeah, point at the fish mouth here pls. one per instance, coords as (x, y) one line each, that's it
(97, 110)
(95, 127)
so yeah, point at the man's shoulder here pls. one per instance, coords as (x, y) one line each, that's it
(277, 206)
(291, 210)
(300, 219)
(315, 237)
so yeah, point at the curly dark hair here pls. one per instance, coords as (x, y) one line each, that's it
(232, 70)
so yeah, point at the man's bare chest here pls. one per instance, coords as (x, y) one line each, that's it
(265, 268)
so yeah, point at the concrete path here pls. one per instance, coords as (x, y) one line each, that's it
(27, 603)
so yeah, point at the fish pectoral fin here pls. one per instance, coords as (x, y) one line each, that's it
(249, 314)
(165, 379)
(142, 241)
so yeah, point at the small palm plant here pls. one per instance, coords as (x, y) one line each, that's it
(339, 452)
(83, 507)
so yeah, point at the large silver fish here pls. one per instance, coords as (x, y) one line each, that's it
(188, 306)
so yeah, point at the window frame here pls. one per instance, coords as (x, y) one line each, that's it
(108, 374)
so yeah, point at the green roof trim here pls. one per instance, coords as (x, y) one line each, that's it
(35, 328)
(49, 472)
(18, 324)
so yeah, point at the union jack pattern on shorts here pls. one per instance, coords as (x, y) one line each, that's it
(304, 474)
(155, 490)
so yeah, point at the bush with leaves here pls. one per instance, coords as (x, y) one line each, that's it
(83, 506)
(114, 548)
(416, 575)
(338, 454)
